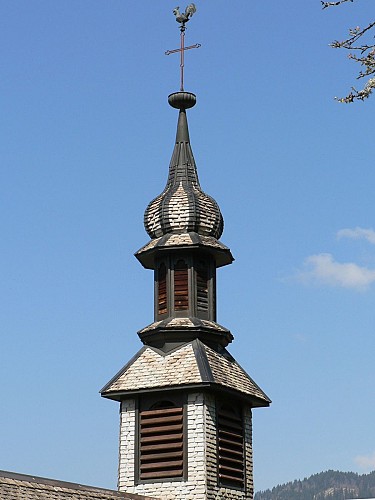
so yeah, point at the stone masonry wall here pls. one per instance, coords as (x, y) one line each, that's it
(126, 445)
(201, 483)
(195, 486)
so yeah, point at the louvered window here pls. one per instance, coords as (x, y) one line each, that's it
(202, 286)
(161, 443)
(181, 289)
(162, 289)
(230, 447)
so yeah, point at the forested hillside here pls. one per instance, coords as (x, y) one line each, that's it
(330, 485)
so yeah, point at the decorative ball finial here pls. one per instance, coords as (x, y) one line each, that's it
(182, 100)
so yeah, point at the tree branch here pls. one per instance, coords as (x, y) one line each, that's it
(332, 4)
(366, 56)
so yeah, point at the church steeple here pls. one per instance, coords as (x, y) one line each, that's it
(186, 404)
(183, 207)
(184, 224)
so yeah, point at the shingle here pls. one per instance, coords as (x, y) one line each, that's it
(185, 239)
(183, 206)
(227, 372)
(153, 368)
(191, 363)
(22, 487)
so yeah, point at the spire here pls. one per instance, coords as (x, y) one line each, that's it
(182, 134)
(184, 224)
(183, 215)
(183, 207)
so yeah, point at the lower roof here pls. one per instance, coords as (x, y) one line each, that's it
(15, 486)
(190, 241)
(190, 364)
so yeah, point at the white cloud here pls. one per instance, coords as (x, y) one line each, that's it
(358, 233)
(324, 270)
(366, 462)
(301, 337)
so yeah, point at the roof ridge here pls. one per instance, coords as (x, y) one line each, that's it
(42, 483)
(227, 379)
(202, 361)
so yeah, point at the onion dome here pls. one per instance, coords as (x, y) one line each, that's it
(183, 207)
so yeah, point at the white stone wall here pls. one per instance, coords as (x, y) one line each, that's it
(201, 483)
(126, 468)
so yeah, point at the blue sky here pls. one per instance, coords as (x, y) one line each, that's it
(86, 137)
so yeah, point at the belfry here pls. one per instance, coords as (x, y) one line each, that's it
(185, 404)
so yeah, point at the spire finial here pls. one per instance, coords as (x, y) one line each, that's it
(183, 19)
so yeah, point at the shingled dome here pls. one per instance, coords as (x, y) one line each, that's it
(183, 207)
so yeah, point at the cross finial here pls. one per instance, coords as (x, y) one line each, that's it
(183, 18)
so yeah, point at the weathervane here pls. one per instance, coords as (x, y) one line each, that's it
(183, 19)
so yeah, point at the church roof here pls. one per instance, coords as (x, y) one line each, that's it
(192, 364)
(23, 487)
(183, 207)
(190, 240)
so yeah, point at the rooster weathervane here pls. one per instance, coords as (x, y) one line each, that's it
(183, 18)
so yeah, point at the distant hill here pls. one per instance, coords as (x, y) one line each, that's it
(330, 485)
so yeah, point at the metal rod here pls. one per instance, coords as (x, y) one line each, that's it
(183, 18)
(182, 63)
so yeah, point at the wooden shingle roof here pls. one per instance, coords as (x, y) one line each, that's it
(15, 486)
(192, 364)
(183, 206)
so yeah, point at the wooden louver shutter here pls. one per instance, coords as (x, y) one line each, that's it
(231, 448)
(161, 443)
(181, 288)
(202, 286)
(162, 289)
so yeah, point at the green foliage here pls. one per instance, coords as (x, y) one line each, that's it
(330, 485)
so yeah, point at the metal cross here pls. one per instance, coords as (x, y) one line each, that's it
(183, 19)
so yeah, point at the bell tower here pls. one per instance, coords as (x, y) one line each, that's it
(185, 403)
